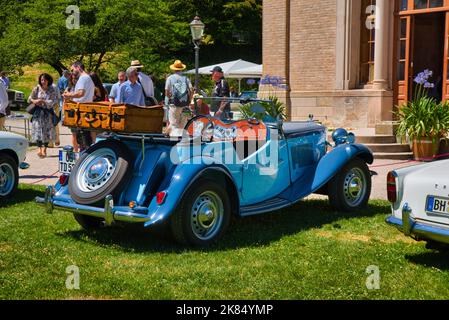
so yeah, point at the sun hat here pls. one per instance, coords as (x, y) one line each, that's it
(136, 64)
(178, 66)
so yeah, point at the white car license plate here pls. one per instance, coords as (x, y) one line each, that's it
(67, 160)
(437, 205)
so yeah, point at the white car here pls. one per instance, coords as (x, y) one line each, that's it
(420, 202)
(13, 148)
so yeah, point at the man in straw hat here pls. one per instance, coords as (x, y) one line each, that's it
(178, 92)
(146, 83)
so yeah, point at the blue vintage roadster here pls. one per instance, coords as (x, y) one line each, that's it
(218, 169)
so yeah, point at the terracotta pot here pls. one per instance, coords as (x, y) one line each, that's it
(424, 149)
(444, 149)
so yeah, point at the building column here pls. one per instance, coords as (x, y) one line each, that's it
(276, 47)
(381, 46)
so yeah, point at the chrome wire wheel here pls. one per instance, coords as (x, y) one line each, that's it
(96, 170)
(355, 187)
(207, 215)
(7, 179)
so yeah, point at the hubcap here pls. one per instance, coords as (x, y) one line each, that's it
(355, 187)
(7, 176)
(207, 215)
(96, 170)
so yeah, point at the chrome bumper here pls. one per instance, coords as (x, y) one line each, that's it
(108, 212)
(418, 231)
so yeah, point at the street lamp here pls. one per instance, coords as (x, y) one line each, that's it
(197, 29)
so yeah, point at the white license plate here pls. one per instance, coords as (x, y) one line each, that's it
(67, 161)
(437, 205)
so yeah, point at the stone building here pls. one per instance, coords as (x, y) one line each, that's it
(349, 62)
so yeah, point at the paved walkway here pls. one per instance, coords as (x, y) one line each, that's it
(45, 171)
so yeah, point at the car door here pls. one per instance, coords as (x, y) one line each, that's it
(266, 171)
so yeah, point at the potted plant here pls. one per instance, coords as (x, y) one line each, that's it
(423, 119)
(262, 110)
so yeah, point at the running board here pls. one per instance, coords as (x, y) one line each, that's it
(263, 207)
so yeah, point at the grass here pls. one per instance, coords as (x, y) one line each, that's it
(305, 252)
(28, 80)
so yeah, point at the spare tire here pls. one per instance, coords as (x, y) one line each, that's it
(103, 169)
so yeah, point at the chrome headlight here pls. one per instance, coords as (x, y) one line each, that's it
(341, 136)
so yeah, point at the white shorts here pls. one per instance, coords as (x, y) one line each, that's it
(177, 119)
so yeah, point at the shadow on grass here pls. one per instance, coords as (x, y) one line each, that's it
(431, 259)
(243, 232)
(25, 193)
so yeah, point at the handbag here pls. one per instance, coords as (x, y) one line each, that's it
(31, 108)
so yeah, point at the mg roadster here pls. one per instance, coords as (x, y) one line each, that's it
(195, 183)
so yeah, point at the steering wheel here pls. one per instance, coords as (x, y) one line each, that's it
(206, 125)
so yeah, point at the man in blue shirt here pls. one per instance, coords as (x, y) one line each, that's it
(63, 82)
(131, 91)
(114, 96)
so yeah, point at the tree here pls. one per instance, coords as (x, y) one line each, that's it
(37, 32)
(114, 32)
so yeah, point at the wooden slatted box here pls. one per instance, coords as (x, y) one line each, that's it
(104, 116)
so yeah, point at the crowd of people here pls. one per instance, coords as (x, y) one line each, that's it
(133, 87)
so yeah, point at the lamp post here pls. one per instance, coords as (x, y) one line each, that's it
(197, 29)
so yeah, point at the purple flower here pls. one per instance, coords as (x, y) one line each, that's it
(429, 85)
(283, 87)
(428, 73)
(274, 81)
(420, 79)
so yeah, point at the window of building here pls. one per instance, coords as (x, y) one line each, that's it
(420, 4)
(367, 41)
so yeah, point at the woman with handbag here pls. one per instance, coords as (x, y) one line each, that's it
(42, 100)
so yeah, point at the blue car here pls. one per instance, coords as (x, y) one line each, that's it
(218, 169)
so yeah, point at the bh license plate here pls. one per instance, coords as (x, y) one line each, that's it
(67, 160)
(437, 205)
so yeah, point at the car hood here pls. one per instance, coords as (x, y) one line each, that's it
(9, 135)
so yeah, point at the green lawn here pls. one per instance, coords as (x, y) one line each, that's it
(28, 80)
(305, 252)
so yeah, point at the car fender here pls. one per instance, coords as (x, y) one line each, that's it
(13, 144)
(336, 159)
(184, 177)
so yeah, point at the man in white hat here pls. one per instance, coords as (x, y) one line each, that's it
(146, 83)
(178, 93)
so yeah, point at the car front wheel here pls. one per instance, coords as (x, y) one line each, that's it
(350, 189)
(202, 216)
(9, 176)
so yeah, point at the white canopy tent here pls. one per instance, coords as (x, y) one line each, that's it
(238, 69)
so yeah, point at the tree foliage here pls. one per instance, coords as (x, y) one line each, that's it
(112, 32)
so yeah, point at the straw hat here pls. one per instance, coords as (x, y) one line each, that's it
(178, 66)
(136, 64)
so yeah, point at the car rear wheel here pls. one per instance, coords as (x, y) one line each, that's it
(202, 216)
(104, 169)
(350, 189)
(9, 176)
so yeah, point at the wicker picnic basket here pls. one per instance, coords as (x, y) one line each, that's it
(105, 116)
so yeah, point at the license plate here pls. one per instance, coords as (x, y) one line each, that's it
(437, 205)
(67, 160)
